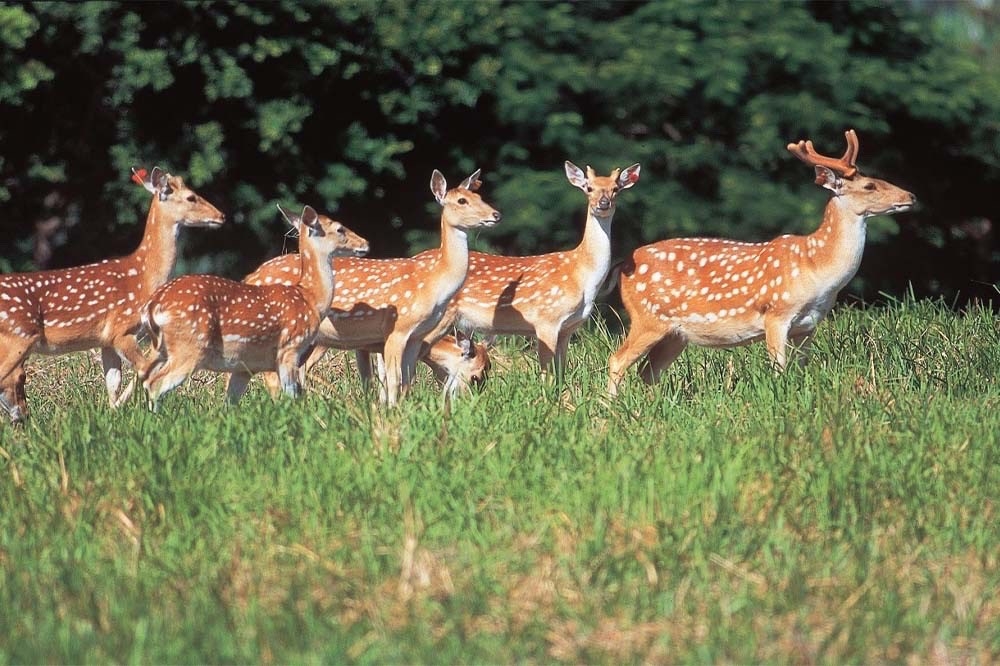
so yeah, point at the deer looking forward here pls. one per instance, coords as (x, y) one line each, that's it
(207, 322)
(724, 293)
(393, 305)
(546, 297)
(97, 305)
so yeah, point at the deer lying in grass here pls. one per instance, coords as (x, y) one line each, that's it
(723, 293)
(396, 306)
(97, 305)
(549, 296)
(207, 322)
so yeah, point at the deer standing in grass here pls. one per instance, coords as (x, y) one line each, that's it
(97, 305)
(204, 322)
(546, 297)
(723, 293)
(458, 363)
(392, 306)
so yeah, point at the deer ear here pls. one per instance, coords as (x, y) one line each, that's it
(472, 183)
(830, 180)
(292, 218)
(629, 177)
(310, 218)
(158, 183)
(575, 176)
(465, 344)
(439, 186)
(146, 178)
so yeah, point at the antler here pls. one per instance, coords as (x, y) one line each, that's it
(845, 165)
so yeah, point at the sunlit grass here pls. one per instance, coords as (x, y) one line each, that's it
(846, 511)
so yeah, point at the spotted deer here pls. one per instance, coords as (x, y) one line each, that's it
(724, 293)
(97, 305)
(546, 297)
(204, 322)
(457, 363)
(393, 305)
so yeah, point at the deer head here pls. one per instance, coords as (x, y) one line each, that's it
(178, 201)
(328, 236)
(463, 208)
(602, 191)
(860, 195)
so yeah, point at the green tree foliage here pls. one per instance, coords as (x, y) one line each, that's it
(348, 106)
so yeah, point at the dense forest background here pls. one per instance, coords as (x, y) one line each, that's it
(348, 106)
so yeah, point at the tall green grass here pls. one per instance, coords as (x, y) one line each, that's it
(845, 511)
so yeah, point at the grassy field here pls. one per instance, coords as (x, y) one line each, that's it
(847, 512)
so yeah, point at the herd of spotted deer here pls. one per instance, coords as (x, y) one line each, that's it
(283, 317)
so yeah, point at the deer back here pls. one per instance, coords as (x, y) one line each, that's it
(88, 306)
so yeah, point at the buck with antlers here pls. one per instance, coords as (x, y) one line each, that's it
(723, 293)
(546, 297)
(97, 305)
(392, 306)
(207, 322)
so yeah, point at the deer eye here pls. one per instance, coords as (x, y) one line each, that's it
(870, 186)
(589, 189)
(463, 200)
(341, 232)
(192, 198)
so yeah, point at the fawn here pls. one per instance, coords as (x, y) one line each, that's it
(208, 322)
(97, 305)
(723, 293)
(549, 296)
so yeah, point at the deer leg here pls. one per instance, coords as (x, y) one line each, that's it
(562, 346)
(661, 356)
(637, 343)
(127, 347)
(776, 339)
(165, 377)
(311, 359)
(112, 364)
(288, 371)
(236, 386)
(548, 343)
(383, 395)
(13, 398)
(363, 360)
(395, 348)
(411, 354)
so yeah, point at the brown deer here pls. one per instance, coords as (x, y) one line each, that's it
(391, 306)
(723, 293)
(97, 305)
(210, 323)
(457, 363)
(549, 296)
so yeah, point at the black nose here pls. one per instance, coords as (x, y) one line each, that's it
(497, 215)
(913, 198)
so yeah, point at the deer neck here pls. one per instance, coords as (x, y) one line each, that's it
(838, 244)
(154, 259)
(316, 279)
(453, 264)
(593, 254)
